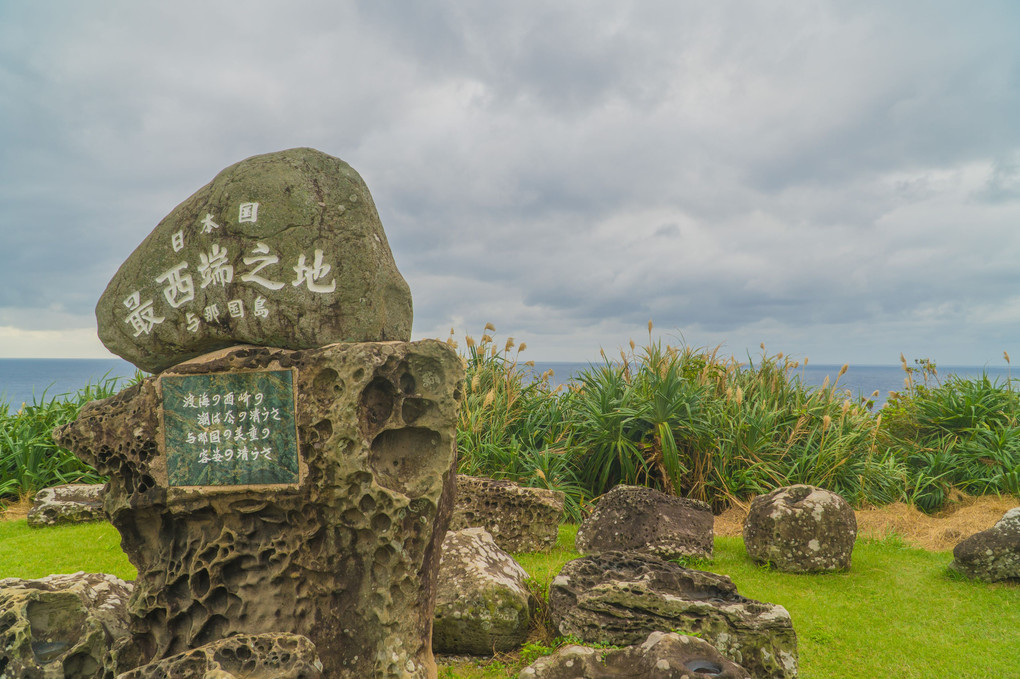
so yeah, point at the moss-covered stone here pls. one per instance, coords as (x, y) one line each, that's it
(483, 605)
(284, 250)
(62, 626)
(619, 598)
(246, 656)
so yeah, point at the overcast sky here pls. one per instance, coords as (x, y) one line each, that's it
(838, 180)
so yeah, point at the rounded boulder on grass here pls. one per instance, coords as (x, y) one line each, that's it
(801, 529)
(639, 519)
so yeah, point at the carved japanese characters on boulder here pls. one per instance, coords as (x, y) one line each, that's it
(337, 540)
(284, 250)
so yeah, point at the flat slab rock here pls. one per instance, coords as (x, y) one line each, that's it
(482, 606)
(347, 556)
(639, 519)
(994, 554)
(246, 656)
(67, 626)
(520, 519)
(661, 656)
(69, 503)
(801, 529)
(619, 598)
(284, 250)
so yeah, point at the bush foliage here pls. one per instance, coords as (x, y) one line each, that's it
(29, 459)
(691, 423)
(680, 419)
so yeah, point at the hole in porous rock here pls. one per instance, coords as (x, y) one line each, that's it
(381, 523)
(54, 620)
(401, 456)
(407, 384)
(80, 665)
(324, 428)
(323, 383)
(377, 402)
(705, 667)
(200, 583)
(412, 409)
(212, 630)
(45, 651)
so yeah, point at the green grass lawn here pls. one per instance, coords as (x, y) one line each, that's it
(897, 613)
(37, 552)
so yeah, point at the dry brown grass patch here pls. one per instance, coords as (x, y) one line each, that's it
(12, 510)
(935, 533)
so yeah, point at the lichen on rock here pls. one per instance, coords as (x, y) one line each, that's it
(284, 249)
(68, 626)
(519, 519)
(483, 605)
(619, 598)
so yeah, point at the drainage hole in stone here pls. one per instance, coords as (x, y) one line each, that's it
(705, 667)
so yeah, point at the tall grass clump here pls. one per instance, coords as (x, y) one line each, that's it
(956, 435)
(29, 459)
(690, 423)
(511, 424)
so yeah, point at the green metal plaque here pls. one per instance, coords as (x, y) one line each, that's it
(230, 429)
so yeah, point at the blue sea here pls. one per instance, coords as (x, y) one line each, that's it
(28, 380)
(859, 380)
(37, 380)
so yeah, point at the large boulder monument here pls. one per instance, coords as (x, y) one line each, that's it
(280, 250)
(290, 469)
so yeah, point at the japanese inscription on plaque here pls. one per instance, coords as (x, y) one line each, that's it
(229, 429)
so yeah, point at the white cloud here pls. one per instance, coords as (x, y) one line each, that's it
(840, 178)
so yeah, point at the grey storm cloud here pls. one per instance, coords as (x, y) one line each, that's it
(828, 176)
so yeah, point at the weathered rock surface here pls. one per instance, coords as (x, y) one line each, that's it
(246, 656)
(994, 554)
(620, 598)
(284, 250)
(661, 656)
(639, 519)
(519, 519)
(62, 625)
(801, 529)
(482, 605)
(69, 503)
(346, 556)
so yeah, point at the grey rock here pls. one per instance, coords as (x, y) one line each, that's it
(619, 598)
(483, 605)
(346, 556)
(801, 529)
(662, 656)
(62, 625)
(520, 519)
(69, 503)
(284, 250)
(246, 656)
(639, 519)
(994, 554)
